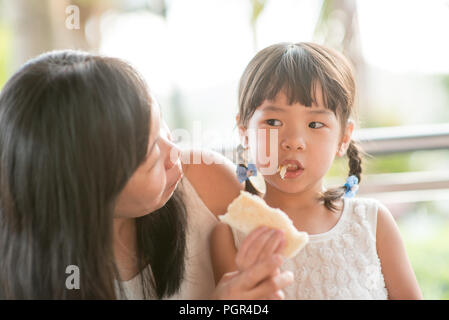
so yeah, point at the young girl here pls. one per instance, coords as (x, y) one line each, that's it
(306, 93)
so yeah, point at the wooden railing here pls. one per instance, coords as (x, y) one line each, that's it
(387, 140)
(409, 186)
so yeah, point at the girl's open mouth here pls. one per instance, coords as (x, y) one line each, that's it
(290, 169)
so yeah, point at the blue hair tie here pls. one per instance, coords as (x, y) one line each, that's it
(242, 172)
(351, 186)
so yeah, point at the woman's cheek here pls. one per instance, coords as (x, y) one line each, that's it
(157, 180)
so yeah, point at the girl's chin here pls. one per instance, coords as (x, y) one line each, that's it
(287, 186)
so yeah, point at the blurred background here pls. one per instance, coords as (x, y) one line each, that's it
(192, 54)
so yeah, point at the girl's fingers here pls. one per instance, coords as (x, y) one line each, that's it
(262, 281)
(255, 274)
(228, 276)
(247, 243)
(278, 295)
(274, 245)
(259, 246)
(271, 286)
(281, 245)
(247, 247)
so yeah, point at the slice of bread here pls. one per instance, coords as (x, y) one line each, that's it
(248, 212)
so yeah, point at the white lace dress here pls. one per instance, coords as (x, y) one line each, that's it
(341, 263)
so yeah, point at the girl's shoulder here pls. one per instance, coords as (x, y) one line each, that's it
(369, 211)
(362, 205)
(214, 179)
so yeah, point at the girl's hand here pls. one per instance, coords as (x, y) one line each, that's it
(256, 282)
(259, 276)
(258, 246)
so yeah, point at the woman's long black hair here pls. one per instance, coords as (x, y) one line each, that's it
(73, 129)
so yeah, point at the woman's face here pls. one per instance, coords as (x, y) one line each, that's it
(155, 180)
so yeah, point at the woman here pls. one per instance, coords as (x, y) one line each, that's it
(82, 165)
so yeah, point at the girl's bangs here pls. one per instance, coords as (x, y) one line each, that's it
(299, 76)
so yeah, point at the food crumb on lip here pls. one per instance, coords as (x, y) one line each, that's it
(283, 171)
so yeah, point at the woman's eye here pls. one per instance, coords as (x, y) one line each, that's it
(273, 122)
(165, 132)
(316, 125)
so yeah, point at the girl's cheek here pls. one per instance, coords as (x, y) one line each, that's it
(263, 148)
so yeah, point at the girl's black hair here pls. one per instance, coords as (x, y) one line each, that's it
(73, 129)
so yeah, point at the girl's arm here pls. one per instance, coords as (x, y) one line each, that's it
(214, 179)
(222, 251)
(398, 273)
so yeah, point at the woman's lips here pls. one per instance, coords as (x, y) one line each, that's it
(172, 185)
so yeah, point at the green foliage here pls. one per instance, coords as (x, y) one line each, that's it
(388, 163)
(323, 18)
(373, 165)
(428, 253)
(387, 116)
(395, 163)
(5, 44)
(445, 82)
(257, 8)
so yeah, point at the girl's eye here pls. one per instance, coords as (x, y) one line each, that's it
(273, 122)
(316, 125)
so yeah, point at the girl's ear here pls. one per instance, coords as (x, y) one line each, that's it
(346, 140)
(242, 131)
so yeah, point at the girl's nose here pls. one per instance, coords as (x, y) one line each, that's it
(293, 144)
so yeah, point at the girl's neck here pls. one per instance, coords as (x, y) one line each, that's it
(304, 209)
(293, 202)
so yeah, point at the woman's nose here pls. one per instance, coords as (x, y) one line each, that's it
(171, 152)
(293, 144)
